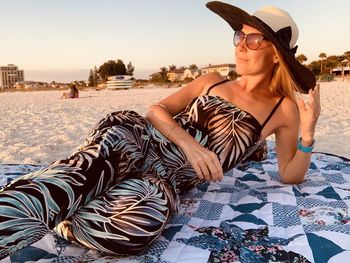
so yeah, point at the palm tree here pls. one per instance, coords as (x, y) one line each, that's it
(163, 73)
(330, 63)
(172, 67)
(347, 54)
(322, 56)
(193, 66)
(301, 58)
(343, 63)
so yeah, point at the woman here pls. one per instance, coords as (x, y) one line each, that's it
(72, 94)
(117, 192)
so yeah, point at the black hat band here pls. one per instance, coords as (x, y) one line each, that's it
(283, 36)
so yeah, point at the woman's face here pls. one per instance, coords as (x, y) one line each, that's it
(255, 62)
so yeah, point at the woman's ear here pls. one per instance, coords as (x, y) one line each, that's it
(275, 59)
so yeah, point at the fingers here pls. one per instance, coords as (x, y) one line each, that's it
(301, 105)
(313, 104)
(198, 170)
(314, 94)
(215, 169)
(207, 166)
(315, 100)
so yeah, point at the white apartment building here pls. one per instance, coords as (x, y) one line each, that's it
(223, 69)
(9, 75)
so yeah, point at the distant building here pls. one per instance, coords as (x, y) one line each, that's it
(155, 76)
(176, 75)
(191, 73)
(223, 69)
(9, 75)
(30, 85)
(187, 73)
(341, 71)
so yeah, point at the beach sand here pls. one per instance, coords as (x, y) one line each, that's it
(39, 127)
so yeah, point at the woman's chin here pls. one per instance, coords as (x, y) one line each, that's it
(240, 71)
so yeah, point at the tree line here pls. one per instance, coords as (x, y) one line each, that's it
(163, 77)
(109, 68)
(319, 67)
(326, 63)
(117, 67)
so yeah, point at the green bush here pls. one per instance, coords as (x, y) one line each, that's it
(325, 77)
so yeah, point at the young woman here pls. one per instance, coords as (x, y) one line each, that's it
(117, 192)
(72, 94)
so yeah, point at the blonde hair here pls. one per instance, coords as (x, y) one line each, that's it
(282, 82)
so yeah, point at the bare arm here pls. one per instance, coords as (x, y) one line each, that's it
(204, 162)
(293, 164)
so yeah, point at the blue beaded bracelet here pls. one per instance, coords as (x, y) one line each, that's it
(305, 149)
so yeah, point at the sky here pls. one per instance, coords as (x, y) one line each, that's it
(62, 40)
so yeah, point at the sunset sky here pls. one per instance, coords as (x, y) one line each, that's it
(61, 39)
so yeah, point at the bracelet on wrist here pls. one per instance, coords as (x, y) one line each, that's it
(163, 106)
(305, 149)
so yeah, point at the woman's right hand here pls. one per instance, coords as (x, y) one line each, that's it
(205, 162)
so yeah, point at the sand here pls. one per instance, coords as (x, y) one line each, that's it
(39, 127)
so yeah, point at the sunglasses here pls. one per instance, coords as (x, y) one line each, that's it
(253, 41)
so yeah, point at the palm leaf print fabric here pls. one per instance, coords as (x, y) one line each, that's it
(228, 130)
(117, 192)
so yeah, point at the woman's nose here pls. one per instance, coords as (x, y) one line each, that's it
(241, 46)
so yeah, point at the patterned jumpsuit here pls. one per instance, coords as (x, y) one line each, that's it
(117, 192)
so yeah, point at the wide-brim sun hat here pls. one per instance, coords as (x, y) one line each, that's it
(278, 27)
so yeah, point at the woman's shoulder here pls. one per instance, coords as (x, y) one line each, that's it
(211, 78)
(289, 105)
(208, 80)
(288, 111)
(286, 117)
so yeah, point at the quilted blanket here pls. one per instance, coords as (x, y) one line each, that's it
(248, 217)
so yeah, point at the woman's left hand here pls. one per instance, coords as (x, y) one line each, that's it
(309, 111)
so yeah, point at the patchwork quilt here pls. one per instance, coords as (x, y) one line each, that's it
(248, 217)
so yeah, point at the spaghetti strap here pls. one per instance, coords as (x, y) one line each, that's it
(272, 112)
(225, 80)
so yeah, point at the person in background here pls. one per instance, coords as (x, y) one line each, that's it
(72, 94)
(117, 192)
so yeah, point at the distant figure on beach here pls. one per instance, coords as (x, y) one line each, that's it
(117, 192)
(72, 94)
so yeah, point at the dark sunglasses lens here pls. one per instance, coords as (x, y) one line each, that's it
(254, 41)
(237, 38)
